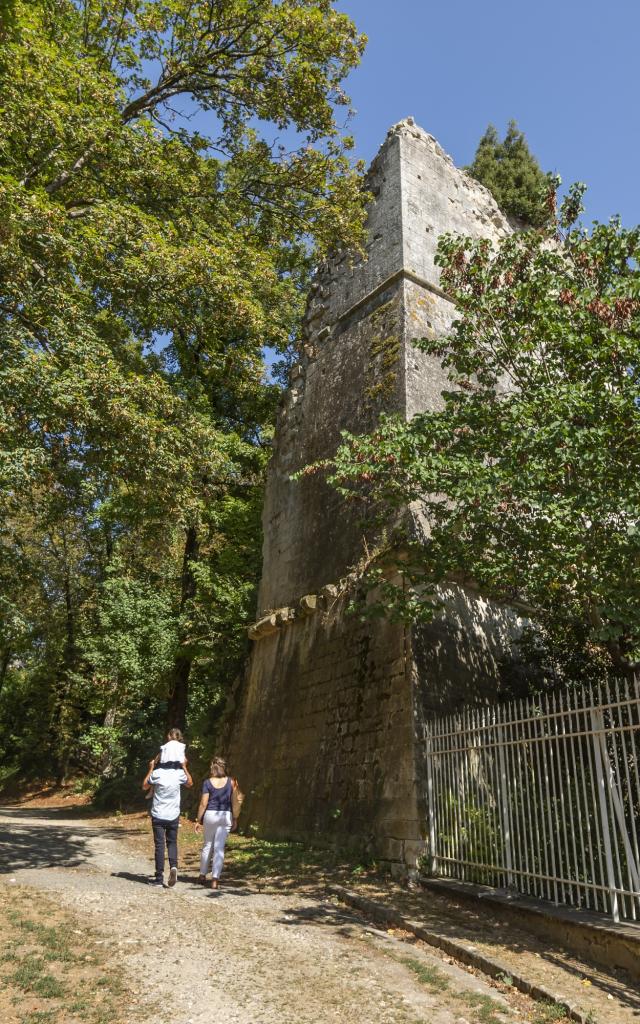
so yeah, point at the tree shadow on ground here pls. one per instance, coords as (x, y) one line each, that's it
(277, 867)
(614, 985)
(342, 921)
(24, 844)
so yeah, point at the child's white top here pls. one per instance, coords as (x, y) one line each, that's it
(172, 751)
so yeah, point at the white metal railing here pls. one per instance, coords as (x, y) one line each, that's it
(541, 796)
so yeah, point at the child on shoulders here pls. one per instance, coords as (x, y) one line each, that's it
(172, 755)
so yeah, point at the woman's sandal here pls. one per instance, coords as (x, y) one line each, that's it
(214, 883)
(202, 879)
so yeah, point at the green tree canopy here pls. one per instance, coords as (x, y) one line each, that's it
(155, 235)
(513, 176)
(530, 474)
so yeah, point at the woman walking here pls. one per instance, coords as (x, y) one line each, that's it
(215, 814)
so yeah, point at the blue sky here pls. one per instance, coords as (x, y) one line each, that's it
(566, 71)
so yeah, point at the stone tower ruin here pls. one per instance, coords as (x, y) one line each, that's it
(327, 729)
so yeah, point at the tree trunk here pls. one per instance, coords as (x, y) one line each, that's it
(179, 693)
(106, 767)
(4, 666)
(62, 741)
(179, 682)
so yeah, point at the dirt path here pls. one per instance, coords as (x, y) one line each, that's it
(241, 956)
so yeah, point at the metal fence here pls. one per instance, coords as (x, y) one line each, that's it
(541, 797)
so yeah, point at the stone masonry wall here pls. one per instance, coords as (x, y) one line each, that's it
(327, 733)
(311, 536)
(358, 358)
(351, 367)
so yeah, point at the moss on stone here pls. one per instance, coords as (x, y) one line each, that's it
(384, 350)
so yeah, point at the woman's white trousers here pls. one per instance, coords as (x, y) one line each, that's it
(217, 825)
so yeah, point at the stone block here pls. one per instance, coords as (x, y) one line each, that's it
(413, 850)
(401, 828)
(309, 604)
(389, 849)
(284, 616)
(263, 627)
(398, 870)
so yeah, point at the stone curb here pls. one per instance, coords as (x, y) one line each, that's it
(459, 950)
(594, 936)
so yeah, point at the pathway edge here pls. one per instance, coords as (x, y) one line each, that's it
(466, 954)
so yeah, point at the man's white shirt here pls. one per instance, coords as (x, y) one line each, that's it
(166, 784)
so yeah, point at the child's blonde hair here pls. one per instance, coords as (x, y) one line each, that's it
(175, 734)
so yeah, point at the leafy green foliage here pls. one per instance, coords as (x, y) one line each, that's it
(513, 176)
(530, 475)
(144, 265)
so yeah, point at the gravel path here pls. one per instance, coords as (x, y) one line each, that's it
(238, 956)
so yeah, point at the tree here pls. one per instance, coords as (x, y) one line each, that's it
(530, 474)
(512, 175)
(153, 241)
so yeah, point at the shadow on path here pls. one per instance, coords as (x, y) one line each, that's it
(130, 876)
(343, 921)
(26, 842)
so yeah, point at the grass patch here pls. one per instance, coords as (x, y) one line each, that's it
(53, 940)
(484, 1007)
(31, 976)
(53, 969)
(432, 977)
(40, 1017)
(550, 1013)
(251, 857)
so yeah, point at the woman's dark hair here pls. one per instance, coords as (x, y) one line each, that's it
(218, 768)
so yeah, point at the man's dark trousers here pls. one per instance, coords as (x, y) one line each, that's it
(165, 832)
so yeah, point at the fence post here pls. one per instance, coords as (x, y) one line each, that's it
(504, 807)
(618, 809)
(597, 725)
(432, 807)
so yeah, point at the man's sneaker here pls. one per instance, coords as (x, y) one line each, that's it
(173, 876)
(157, 882)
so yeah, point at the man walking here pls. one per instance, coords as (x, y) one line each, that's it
(165, 815)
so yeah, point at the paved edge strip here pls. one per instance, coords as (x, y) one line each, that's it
(464, 953)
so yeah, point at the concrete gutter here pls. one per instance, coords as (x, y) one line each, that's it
(461, 951)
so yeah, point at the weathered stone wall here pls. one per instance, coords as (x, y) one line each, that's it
(311, 536)
(326, 742)
(358, 354)
(351, 368)
(327, 735)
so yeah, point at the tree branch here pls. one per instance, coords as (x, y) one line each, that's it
(66, 176)
(30, 175)
(13, 310)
